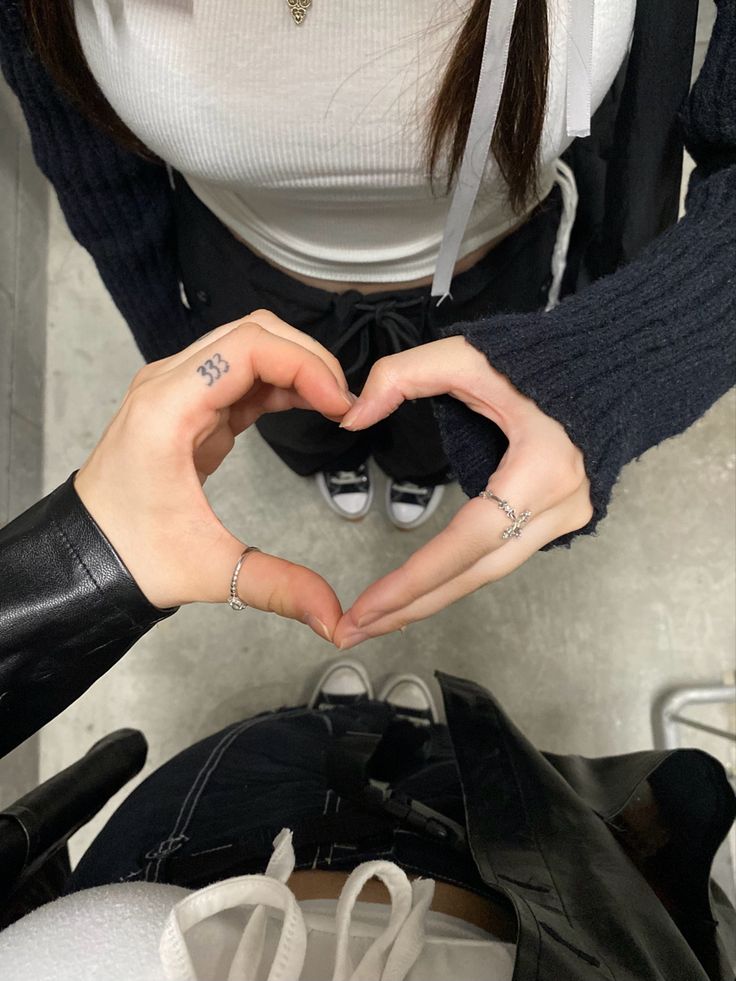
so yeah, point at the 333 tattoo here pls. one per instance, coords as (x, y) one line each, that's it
(213, 368)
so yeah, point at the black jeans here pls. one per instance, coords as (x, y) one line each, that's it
(214, 809)
(224, 280)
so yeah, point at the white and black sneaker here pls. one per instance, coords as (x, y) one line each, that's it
(410, 505)
(410, 698)
(348, 492)
(344, 681)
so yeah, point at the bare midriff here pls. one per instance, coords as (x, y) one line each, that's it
(340, 286)
(452, 900)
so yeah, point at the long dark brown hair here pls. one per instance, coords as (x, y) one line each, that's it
(516, 138)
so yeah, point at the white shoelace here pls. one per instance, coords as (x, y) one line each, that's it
(389, 958)
(565, 179)
(344, 477)
(407, 488)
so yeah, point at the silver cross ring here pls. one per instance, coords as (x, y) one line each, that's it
(514, 529)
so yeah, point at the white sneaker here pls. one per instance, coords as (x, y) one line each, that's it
(348, 492)
(410, 505)
(343, 682)
(411, 698)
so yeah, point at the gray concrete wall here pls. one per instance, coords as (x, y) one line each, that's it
(23, 241)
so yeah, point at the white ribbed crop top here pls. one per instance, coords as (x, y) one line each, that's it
(307, 141)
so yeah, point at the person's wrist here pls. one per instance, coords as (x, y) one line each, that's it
(150, 562)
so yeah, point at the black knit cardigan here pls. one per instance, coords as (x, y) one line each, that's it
(629, 360)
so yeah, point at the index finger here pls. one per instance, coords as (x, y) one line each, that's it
(451, 366)
(223, 372)
(473, 533)
(493, 566)
(268, 321)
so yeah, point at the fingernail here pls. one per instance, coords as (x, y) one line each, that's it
(352, 639)
(367, 619)
(351, 418)
(350, 399)
(315, 624)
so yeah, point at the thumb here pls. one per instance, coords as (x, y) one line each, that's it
(275, 585)
(450, 366)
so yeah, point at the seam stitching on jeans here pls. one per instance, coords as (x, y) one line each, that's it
(199, 783)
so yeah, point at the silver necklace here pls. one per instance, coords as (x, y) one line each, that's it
(299, 9)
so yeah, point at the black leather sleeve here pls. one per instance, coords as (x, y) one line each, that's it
(69, 609)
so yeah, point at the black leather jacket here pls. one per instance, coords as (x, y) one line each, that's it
(69, 609)
(580, 848)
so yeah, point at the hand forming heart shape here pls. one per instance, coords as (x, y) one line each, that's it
(179, 419)
(541, 472)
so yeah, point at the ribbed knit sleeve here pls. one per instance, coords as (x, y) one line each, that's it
(118, 205)
(641, 354)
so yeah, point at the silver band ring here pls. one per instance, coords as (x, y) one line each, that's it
(235, 601)
(514, 530)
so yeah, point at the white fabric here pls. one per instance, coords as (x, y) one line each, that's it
(307, 142)
(249, 928)
(110, 933)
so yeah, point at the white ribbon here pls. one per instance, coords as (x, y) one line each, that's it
(579, 66)
(478, 144)
(485, 113)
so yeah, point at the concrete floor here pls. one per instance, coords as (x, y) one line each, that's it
(577, 644)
